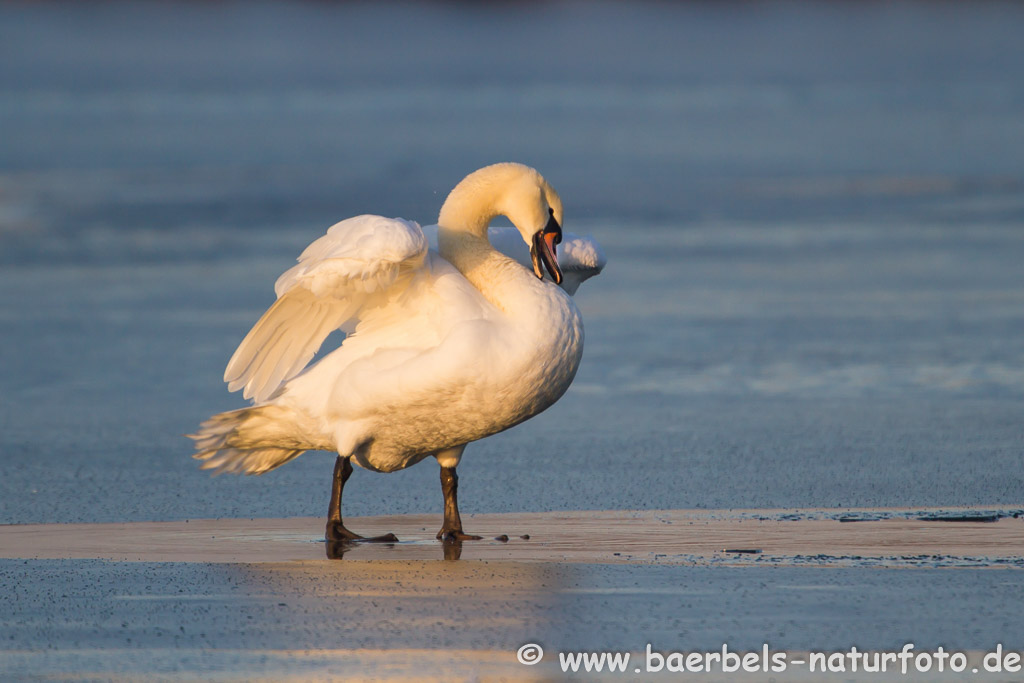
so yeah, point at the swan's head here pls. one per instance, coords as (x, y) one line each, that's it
(520, 194)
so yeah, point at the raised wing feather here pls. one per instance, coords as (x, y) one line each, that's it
(356, 266)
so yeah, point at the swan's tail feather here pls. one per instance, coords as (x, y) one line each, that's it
(247, 441)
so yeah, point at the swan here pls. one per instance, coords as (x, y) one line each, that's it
(443, 347)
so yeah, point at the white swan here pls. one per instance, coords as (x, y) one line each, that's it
(443, 347)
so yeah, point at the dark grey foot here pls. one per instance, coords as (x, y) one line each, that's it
(386, 538)
(451, 528)
(456, 535)
(336, 532)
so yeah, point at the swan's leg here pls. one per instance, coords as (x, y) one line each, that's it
(336, 530)
(452, 528)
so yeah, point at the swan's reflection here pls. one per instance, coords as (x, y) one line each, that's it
(336, 549)
(451, 548)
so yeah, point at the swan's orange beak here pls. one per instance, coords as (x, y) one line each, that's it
(543, 250)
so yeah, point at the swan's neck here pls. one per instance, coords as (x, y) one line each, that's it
(501, 280)
(462, 235)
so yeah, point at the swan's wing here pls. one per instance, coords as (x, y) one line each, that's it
(359, 264)
(579, 257)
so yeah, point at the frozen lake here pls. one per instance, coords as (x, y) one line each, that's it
(813, 219)
(813, 214)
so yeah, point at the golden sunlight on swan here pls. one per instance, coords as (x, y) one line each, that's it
(443, 347)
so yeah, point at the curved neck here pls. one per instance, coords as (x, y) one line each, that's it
(500, 279)
(500, 189)
(467, 212)
(507, 189)
(475, 201)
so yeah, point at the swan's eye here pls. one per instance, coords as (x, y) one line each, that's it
(553, 227)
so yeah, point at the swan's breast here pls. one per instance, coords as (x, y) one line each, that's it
(488, 376)
(520, 367)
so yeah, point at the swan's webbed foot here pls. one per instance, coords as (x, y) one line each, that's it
(338, 532)
(451, 531)
(446, 535)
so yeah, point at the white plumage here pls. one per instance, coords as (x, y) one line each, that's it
(344, 272)
(444, 346)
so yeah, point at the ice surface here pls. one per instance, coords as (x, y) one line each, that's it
(812, 217)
